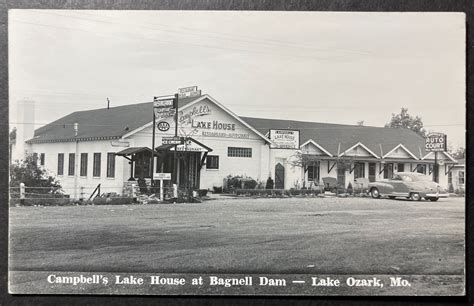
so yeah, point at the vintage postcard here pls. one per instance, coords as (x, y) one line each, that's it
(237, 153)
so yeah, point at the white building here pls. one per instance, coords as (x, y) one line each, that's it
(113, 145)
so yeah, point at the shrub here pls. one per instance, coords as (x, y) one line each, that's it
(217, 189)
(202, 192)
(269, 184)
(276, 192)
(235, 182)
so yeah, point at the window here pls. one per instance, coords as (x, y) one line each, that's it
(83, 164)
(461, 177)
(450, 177)
(313, 173)
(401, 167)
(71, 165)
(35, 158)
(110, 164)
(239, 152)
(421, 168)
(96, 165)
(387, 171)
(359, 170)
(212, 162)
(60, 163)
(42, 159)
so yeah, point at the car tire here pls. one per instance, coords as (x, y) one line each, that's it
(433, 199)
(374, 192)
(391, 197)
(415, 196)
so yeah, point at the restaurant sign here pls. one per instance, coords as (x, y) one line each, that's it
(285, 139)
(436, 142)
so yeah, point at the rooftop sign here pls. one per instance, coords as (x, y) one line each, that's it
(285, 139)
(188, 92)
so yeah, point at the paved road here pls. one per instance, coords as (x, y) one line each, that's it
(292, 235)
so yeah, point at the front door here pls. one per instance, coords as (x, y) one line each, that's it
(279, 176)
(189, 170)
(341, 177)
(371, 172)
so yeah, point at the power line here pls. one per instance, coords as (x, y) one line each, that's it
(175, 42)
(254, 40)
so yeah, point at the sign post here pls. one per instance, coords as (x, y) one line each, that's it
(161, 177)
(162, 109)
(436, 142)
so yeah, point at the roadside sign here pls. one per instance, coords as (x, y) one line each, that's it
(175, 140)
(187, 92)
(436, 142)
(162, 176)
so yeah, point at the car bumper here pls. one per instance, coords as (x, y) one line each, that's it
(436, 195)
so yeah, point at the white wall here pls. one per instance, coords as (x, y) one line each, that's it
(88, 182)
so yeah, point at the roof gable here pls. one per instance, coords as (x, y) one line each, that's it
(400, 151)
(206, 117)
(311, 147)
(358, 150)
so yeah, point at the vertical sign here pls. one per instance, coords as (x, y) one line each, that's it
(163, 109)
(436, 142)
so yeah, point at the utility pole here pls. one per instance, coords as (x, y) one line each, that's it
(435, 168)
(153, 151)
(76, 159)
(175, 162)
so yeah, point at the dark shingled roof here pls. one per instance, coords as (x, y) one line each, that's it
(117, 121)
(100, 123)
(329, 135)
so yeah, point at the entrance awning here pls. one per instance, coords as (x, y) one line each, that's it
(190, 145)
(135, 150)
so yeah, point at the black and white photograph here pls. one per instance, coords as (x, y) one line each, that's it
(242, 153)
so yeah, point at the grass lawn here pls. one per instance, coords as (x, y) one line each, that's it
(293, 235)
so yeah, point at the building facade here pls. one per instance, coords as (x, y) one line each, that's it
(113, 146)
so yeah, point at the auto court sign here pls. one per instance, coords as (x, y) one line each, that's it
(285, 139)
(436, 142)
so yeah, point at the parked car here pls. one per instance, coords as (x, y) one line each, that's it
(410, 185)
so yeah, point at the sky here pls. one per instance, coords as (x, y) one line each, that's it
(310, 66)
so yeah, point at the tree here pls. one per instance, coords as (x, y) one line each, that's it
(458, 153)
(28, 172)
(405, 120)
